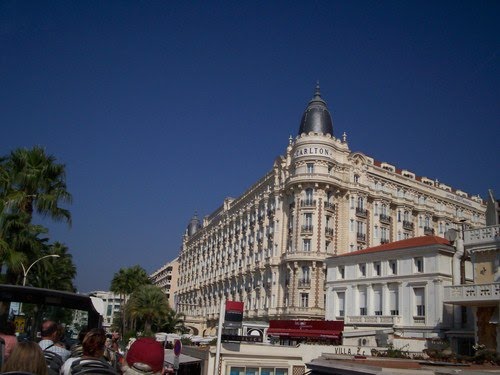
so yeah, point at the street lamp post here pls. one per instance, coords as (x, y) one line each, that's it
(25, 271)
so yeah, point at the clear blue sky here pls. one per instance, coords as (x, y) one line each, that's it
(163, 108)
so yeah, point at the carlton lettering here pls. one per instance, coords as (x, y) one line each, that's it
(313, 151)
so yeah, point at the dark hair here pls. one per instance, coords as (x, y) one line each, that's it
(93, 343)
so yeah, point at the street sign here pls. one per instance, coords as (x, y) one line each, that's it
(177, 347)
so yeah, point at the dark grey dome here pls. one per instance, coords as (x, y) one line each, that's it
(194, 225)
(316, 117)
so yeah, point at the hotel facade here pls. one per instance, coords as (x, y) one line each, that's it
(268, 247)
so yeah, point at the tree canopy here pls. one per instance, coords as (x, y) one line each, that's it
(32, 182)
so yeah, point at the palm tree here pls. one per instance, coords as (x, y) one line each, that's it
(173, 322)
(33, 181)
(148, 304)
(124, 283)
(55, 273)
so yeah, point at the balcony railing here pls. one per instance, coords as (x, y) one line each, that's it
(329, 206)
(361, 212)
(482, 235)
(385, 218)
(428, 231)
(307, 203)
(384, 241)
(304, 283)
(373, 319)
(408, 225)
(472, 294)
(361, 237)
(307, 229)
(329, 231)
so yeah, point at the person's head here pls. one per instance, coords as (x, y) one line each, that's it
(145, 355)
(82, 334)
(94, 342)
(8, 327)
(28, 357)
(49, 330)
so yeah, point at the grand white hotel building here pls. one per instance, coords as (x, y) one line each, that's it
(268, 247)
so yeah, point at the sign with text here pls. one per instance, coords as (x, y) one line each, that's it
(233, 315)
(241, 338)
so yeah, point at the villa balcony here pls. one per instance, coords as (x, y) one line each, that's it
(472, 294)
(379, 320)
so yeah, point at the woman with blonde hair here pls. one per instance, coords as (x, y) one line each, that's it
(27, 357)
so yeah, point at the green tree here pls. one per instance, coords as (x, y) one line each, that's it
(173, 322)
(55, 273)
(149, 305)
(30, 181)
(124, 283)
(33, 181)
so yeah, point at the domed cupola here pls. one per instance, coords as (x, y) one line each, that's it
(194, 225)
(316, 117)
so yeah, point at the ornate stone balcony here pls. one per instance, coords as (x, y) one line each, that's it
(385, 219)
(472, 294)
(329, 206)
(361, 212)
(307, 203)
(408, 225)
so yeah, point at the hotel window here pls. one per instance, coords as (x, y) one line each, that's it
(419, 265)
(306, 245)
(341, 272)
(305, 275)
(304, 299)
(377, 268)
(309, 196)
(341, 304)
(384, 234)
(360, 203)
(308, 220)
(419, 298)
(362, 270)
(393, 266)
(356, 178)
(362, 302)
(377, 300)
(406, 216)
(399, 216)
(375, 209)
(310, 167)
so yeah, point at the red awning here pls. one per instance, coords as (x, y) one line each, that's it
(290, 332)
